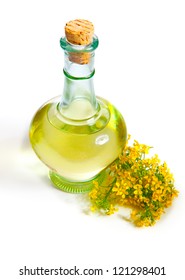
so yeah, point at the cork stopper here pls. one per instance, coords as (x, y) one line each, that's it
(79, 32)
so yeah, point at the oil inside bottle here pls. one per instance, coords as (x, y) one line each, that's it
(74, 145)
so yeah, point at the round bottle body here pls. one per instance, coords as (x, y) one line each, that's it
(76, 151)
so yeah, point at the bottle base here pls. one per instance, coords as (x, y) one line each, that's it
(75, 187)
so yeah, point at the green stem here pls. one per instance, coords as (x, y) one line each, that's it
(108, 193)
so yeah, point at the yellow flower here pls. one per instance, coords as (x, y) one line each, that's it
(136, 181)
(111, 210)
(93, 194)
(93, 208)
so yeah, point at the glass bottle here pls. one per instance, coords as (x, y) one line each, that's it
(77, 135)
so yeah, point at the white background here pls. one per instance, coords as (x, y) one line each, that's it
(140, 67)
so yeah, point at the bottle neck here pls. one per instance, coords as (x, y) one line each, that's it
(78, 100)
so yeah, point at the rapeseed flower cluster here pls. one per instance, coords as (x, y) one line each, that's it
(137, 181)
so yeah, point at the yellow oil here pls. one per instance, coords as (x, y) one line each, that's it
(77, 146)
